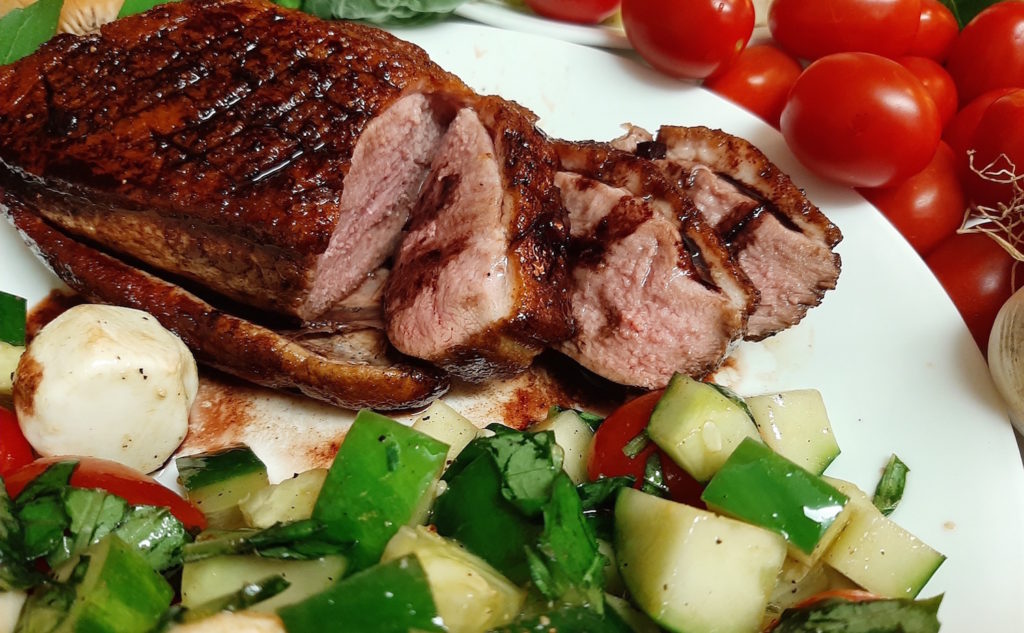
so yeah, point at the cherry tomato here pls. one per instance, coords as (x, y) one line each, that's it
(977, 274)
(936, 32)
(579, 11)
(608, 460)
(926, 208)
(758, 79)
(861, 120)
(936, 81)
(15, 451)
(989, 52)
(998, 144)
(118, 479)
(814, 28)
(688, 39)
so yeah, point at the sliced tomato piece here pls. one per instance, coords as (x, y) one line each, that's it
(15, 451)
(607, 459)
(129, 484)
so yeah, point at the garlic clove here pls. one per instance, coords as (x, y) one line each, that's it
(1006, 356)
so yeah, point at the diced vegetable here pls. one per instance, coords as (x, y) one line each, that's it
(795, 425)
(393, 597)
(382, 478)
(569, 619)
(878, 554)
(11, 603)
(699, 426)
(12, 319)
(213, 578)
(447, 425)
(867, 616)
(763, 488)
(9, 357)
(290, 500)
(574, 436)
(15, 451)
(890, 487)
(691, 570)
(251, 595)
(471, 596)
(218, 480)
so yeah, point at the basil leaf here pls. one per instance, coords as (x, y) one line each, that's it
(382, 11)
(890, 487)
(92, 515)
(654, 478)
(874, 616)
(51, 481)
(965, 10)
(596, 493)
(528, 463)
(251, 593)
(44, 522)
(297, 540)
(156, 533)
(131, 7)
(22, 31)
(15, 570)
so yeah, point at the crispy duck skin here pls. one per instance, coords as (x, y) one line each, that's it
(222, 341)
(214, 139)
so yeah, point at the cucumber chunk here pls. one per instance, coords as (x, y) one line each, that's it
(211, 578)
(699, 426)
(795, 425)
(11, 603)
(218, 480)
(290, 500)
(693, 571)
(447, 425)
(575, 437)
(879, 555)
(471, 596)
(13, 315)
(763, 488)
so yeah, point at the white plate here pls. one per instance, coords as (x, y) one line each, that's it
(520, 19)
(895, 364)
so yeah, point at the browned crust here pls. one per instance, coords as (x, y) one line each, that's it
(235, 118)
(220, 340)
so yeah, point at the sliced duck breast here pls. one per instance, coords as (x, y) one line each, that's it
(478, 283)
(642, 308)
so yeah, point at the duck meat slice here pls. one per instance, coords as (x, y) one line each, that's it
(778, 237)
(351, 370)
(264, 154)
(479, 282)
(653, 291)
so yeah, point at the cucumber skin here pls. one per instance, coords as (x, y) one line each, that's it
(196, 472)
(382, 478)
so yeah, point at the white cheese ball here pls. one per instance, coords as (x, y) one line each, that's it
(108, 382)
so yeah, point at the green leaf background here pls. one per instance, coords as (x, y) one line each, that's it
(22, 31)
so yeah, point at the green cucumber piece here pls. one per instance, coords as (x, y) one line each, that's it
(698, 425)
(218, 480)
(765, 489)
(211, 578)
(569, 619)
(447, 425)
(877, 554)
(575, 437)
(393, 597)
(383, 477)
(795, 425)
(691, 570)
(13, 313)
(119, 592)
(290, 500)
(471, 596)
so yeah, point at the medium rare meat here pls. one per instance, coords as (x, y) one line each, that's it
(653, 290)
(264, 154)
(478, 285)
(782, 242)
(345, 371)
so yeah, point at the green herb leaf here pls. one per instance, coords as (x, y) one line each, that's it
(596, 493)
(22, 31)
(635, 446)
(382, 11)
(528, 463)
(44, 522)
(965, 10)
(131, 7)
(874, 616)
(156, 533)
(92, 515)
(250, 594)
(298, 540)
(47, 606)
(51, 481)
(15, 570)
(890, 487)
(654, 478)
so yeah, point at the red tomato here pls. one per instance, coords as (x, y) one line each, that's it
(961, 127)
(115, 478)
(759, 79)
(608, 460)
(998, 144)
(861, 120)
(937, 82)
(989, 52)
(926, 208)
(688, 39)
(15, 451)
(936, 32)
(814, 28)
(977, 274)
(580, 11)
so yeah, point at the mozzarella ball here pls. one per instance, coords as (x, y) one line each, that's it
(108, 382)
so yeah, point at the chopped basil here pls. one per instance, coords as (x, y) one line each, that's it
(635, 446)
(836, 615)
(890, 487)
(299, 540)
(654, 477)
(16, 571)
(251, 593)
(596, 493)
(382, 11)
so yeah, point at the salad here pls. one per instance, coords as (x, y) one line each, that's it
(687, 509)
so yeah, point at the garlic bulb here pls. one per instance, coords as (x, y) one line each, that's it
(1006, 356)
